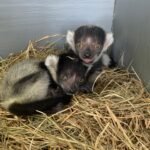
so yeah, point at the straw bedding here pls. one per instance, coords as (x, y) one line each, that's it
(116, 116)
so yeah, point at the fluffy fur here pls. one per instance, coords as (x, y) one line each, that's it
(104, 39)
(28, 86)
(90, 44)
(33, 85)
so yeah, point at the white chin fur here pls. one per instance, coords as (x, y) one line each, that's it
(51, 62)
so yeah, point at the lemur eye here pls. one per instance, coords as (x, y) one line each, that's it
(78, 45)
(97, 46)
(81, 80)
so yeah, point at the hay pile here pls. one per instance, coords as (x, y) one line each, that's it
(116, 116)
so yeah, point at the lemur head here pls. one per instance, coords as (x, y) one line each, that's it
(67, 72)
(89, 42)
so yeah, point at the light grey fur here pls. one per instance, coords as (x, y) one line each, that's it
(29, 91)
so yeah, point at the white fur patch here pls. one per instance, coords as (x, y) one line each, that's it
(105, 60)
(89, 40)
(51, 62)
(70, 39)
(108, 41)
(72, 58)
(51, 59)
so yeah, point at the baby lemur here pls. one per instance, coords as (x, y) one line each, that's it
(90, 44)
(33, 84)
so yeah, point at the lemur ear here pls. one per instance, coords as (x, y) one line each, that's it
(70, 39)
(51, 62)
(108, 41)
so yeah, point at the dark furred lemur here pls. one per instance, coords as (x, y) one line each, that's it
(90, 44)
(33, 84)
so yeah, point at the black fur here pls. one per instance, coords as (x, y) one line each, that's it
(86, 87)
(96, 67)
(113, 63)
(44, 105)
(93, 31)
(89, 52)
(55, 94)
(69, 67)
(64, 62)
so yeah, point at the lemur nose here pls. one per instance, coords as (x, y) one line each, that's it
(87, 54)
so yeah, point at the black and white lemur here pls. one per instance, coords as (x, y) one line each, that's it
(33, 84)
(90, 44)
